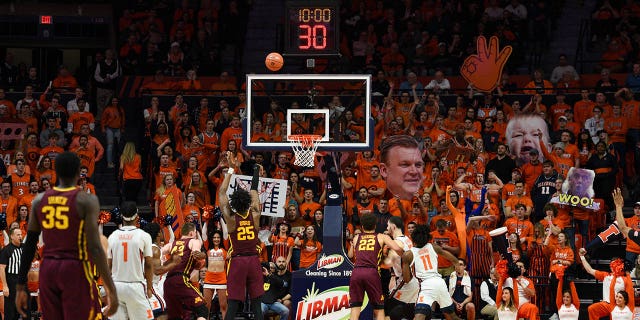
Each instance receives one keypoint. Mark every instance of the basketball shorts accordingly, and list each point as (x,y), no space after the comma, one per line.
(365,280)
(434,290)
(245,273)
(133,301)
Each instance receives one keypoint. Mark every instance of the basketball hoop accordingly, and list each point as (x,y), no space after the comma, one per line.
(304,147)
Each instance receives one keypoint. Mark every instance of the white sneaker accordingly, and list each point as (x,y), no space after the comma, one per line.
(554,317)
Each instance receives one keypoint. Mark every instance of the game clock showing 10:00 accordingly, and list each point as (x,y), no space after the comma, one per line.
(311,29)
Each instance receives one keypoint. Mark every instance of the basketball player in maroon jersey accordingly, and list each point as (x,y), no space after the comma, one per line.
(367,249)
(68,219)
(242,214)
(178,290)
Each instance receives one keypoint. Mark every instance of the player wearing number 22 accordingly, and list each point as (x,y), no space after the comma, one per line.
(130,257)
(244,272)
(68,219)
(423,258)
(367,250)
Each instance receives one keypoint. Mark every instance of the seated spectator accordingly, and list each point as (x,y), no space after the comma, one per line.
(568,84)
(191,84)
(175,60)
(538,84)
(614,57)
(488,291)
(224,86)
(412,82)
(633,79)
(439,85)
(283,273)
(64,82)
(274,287)
(460,290)
(393,62)
(606,83)
(562,68)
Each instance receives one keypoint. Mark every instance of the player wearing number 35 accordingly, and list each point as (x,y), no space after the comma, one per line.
(68,220)
(242,214)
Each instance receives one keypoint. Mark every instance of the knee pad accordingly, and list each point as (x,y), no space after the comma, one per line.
(201,311)
(425,309)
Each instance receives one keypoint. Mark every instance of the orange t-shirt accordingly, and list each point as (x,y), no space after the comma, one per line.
(449,238)
(131,170)
(309,252)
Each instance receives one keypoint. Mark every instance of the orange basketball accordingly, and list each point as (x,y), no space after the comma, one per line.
(274,61)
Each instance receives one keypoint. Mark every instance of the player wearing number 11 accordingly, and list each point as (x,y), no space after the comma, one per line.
(423,258)
(242,214)
(68,219)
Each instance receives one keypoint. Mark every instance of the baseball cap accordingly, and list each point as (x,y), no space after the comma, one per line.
(562,118)
(559,145)
(637,204)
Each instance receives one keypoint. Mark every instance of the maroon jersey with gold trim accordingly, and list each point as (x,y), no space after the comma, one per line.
(368,251)
(62,227)
(244,239)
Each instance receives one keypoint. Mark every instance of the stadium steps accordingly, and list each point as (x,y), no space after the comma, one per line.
(566,31)
(261,35)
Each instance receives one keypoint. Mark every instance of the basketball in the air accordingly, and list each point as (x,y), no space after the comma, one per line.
(274,61)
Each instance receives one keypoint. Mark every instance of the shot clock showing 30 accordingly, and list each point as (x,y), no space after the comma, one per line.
(311,28)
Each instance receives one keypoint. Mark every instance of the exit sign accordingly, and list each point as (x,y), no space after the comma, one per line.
(45,20)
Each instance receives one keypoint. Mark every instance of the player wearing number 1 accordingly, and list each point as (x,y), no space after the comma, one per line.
(130,257)
(367,250)
(68,220)
(242,214)
(423,258)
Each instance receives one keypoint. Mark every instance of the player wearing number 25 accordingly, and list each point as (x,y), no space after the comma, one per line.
(367,250)
(68,219)
(242,214)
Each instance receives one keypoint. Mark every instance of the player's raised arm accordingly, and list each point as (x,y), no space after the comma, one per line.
(255,199)
(222,195)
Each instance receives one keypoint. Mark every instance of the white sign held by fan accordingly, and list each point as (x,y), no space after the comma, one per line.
(272,193)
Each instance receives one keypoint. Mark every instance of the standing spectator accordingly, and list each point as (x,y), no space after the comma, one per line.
(33,79)
(605,166)
(562,67)
(393,62)
(112,124)
(460,290)
(310,247)
(130,162)
(106,76)
(448,241)
(502,164)
(9,268)
(543,189)
(8,72)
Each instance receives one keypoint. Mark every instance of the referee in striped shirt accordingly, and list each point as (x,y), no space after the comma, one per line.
(9,267)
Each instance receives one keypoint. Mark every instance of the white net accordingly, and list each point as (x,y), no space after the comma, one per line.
(304,148)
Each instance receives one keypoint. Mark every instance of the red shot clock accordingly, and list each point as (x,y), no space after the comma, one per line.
(311,28)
